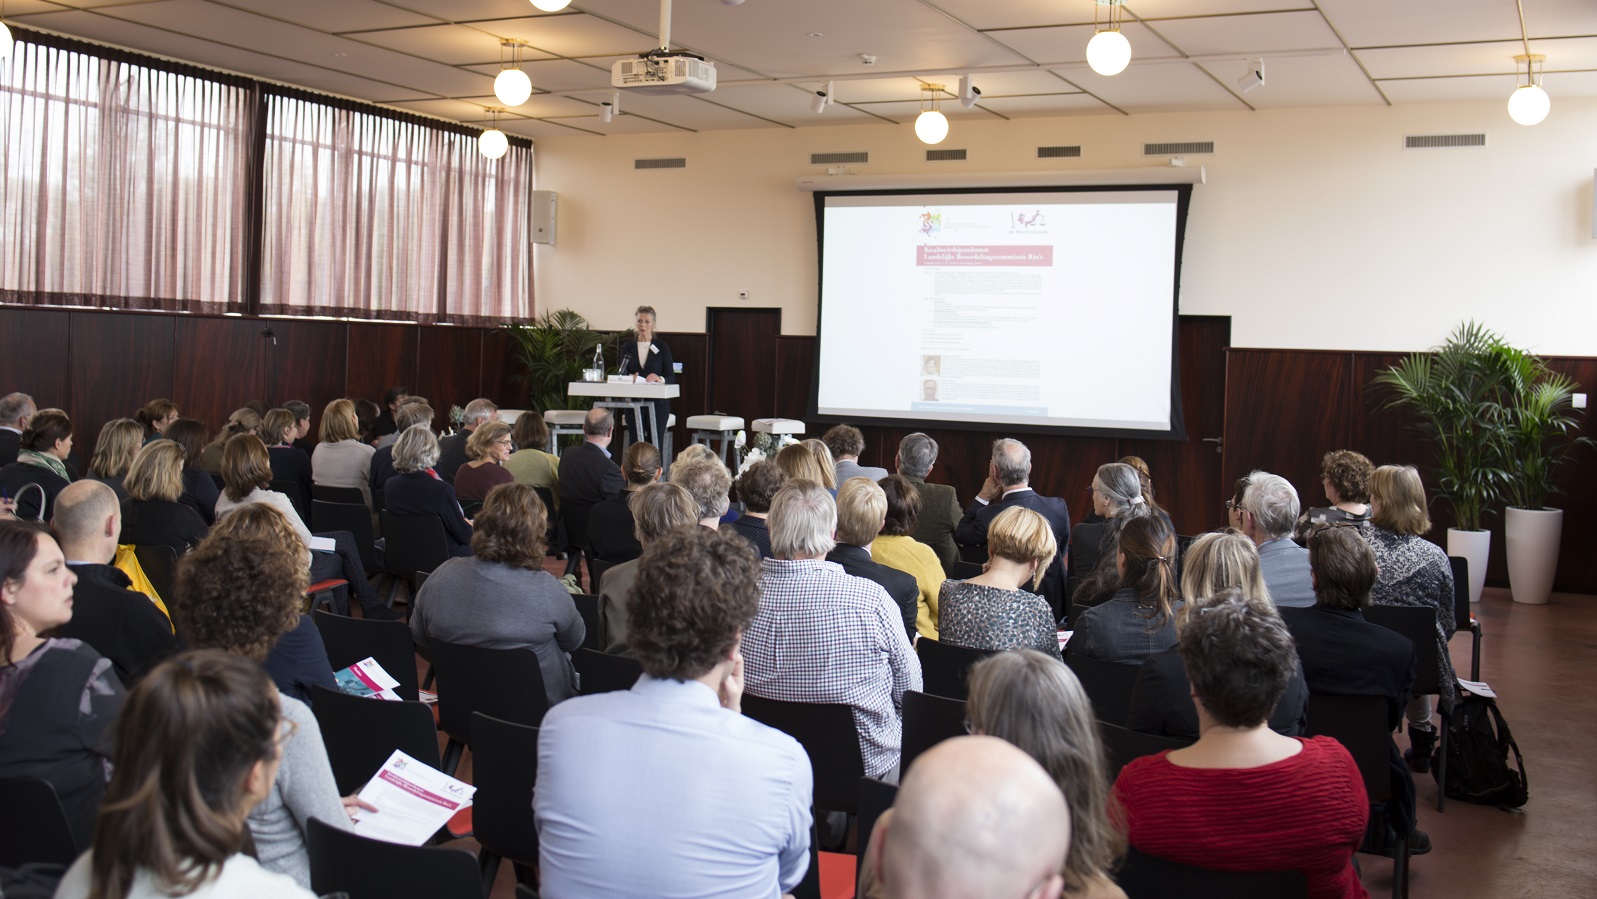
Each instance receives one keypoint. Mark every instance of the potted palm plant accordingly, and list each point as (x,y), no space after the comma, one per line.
(553,350)
(1453,393)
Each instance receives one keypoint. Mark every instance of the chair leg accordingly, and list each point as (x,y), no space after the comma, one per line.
(452,753)
(1441,762)
(1475,654)
(488,863)
(427,682)
(1400,868)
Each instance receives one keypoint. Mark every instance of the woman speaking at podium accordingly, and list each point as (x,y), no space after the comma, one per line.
(649,359)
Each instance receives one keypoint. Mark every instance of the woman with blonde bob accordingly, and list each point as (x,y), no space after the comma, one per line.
(341,459)
(1413,572)
(993,610)
(152,513)
(118,443)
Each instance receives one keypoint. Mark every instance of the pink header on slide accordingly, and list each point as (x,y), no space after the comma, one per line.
(1006,256)
(418,792)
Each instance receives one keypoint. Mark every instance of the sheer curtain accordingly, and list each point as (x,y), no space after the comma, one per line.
(121,185)
(370,216)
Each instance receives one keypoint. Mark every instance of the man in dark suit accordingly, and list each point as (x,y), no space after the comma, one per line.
(939,504)
(1009,484)
(1344,655)
(452,449)
(861,512)
(15,410)
(588,476)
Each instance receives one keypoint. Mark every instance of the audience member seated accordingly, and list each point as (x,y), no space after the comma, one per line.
(489,446)
(152,514)
(823,458)
(1116,500)
(1138,620)
(15,410)
(58,697)
(976,818)
(895,548)
(199,488)
(411,413)
(341,459)
(366,413)
(1344,655)
(121,624)
(656,510)
(1233,506)
(242,421)
(755,488)
(1413,572)
(1161,701)
(846,444)
(1345,475)
(197,750)
(156,417)
(416,490)
(1008,484)
(1268,513)
(610,523)
(452,449)
(301,411)
(710,485)
(242,595)
(588,476)
(800,464)
(861,513)
(500,597)
(289,462)
(387,424)
(715,804)
(119,442)
(246,470)
(822,636)
(939,504)
(45,445)
(1245,798)
(991,611)
(531,464)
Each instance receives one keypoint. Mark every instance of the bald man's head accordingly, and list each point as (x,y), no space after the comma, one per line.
(976,818)
(87,521)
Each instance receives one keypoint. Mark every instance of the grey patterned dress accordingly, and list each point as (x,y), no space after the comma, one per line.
(1415,572)
(983,617)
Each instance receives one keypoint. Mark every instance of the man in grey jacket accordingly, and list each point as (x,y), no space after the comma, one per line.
(939,505)
(846,443)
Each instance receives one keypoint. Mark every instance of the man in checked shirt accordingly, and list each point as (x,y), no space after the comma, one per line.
(823,636)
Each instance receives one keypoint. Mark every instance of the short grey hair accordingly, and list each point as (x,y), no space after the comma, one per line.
(917,453)
(1012,460)
(478,411)
(708,482)
(1273,501)
(16,408)
(410,414)
(416,449)
(803,520)
(1119,484)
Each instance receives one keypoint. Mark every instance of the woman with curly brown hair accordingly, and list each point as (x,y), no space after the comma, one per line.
(500,597)
(1345,475)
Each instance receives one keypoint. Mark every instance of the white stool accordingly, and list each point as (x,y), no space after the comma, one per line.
(778,426)
(709,428)
(509,416)
(666,442)
(563,421)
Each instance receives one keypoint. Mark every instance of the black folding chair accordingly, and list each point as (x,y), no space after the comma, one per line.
(1122,745)
(362,732)
(350,640)
(963,570)
(352,517)
(34,827)
(875,797)
(604,673)
(1143,876)
(364,868)
(412,543)
(159,563)
(1464,619)
(504,769)
(339,495)
(828,735)
(945,668)
(588,607)
(1419,625)
(295,496)
(1108,685)
(503,683)
(1359,724)
(928,720)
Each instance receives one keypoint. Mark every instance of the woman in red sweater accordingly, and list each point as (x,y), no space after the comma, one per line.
(1245,798)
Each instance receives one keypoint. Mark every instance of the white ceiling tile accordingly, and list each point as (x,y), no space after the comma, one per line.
(16,9)
(342,15)
(572,35)
(1379,23)
(1156,87)
(455,45)
(1476,59)
(471,108)
(1068,44)
(1046,105)
(787,103)
(568,75)
(536,128)
(470,10)
(1171,9)
(688,112)
(1441,90)
(986,14)
(1249,35)
(1301,81)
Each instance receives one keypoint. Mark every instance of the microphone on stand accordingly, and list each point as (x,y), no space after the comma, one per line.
(625,359)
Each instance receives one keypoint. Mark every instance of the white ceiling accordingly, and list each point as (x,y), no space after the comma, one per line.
(438,57)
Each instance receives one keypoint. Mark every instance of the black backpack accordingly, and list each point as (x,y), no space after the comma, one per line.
(1477,756)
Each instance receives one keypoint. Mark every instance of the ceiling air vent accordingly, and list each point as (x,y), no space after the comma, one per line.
(1058,152)
(1436,141)
(856,156)
(678,162)
(945,155)
(1187,148)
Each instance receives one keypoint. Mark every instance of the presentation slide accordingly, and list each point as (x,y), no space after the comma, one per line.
(1032,308)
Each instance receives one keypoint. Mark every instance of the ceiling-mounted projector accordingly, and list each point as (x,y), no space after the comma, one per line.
(664,72)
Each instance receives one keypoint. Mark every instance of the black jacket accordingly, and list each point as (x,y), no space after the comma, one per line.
(587,477)
(151,522)
(120,623)
(610,530)
(972,531)
(419,493)
(900,585)
(1161,701)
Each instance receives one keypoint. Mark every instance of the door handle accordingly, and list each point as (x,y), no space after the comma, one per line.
(1219,443)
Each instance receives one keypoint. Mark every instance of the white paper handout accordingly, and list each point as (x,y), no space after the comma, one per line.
(1479,688)
(323,544)
(367,678)
(413,800)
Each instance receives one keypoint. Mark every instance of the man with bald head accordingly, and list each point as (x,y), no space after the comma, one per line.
(121,624)
(975,818)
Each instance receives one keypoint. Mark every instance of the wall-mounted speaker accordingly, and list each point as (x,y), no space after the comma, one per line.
(544,204)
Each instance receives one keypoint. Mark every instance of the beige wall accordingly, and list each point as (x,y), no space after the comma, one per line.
(1316,229)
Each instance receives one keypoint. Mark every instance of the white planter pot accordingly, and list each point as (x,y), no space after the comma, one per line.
(1475,546)
(1533,538)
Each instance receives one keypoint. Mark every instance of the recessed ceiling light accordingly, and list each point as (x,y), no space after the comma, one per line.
(340,54)
(815,34)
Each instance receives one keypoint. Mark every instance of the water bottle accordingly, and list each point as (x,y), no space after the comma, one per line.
(598,360)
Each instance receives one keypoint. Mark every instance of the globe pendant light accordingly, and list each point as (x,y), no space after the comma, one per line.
(931,126)
(7,42)
(1529,104)
(512,86)
(493,143)
(551,5)
(1108,52)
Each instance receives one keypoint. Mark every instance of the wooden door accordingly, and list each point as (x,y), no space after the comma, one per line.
(742,363)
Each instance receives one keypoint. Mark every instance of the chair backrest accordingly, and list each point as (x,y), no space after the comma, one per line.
(963,570)
(1121,746)
(1418,623)
(588,607)
(364,868)
(1143,876)
(1359,724)
(352,517)
(504,769)
(875,797)
(928,720)
(361,733)
(413,543)
(828,735)
(295,496)
(1108,685)
(33,827)
(945,668)
(338,495)
(1460,591)
(503,683)
(604,673)
(596,570)
(159,563)
(350,640)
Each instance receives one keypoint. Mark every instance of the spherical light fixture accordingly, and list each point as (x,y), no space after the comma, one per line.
(931,126)
(493,143)
(551,5)
(1529,104)
(1108,53)
(7,42)
(512,87)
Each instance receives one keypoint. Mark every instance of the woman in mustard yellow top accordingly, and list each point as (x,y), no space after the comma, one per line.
(895,548)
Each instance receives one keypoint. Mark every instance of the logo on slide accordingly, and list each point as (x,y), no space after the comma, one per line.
(1020,221)
(931,223)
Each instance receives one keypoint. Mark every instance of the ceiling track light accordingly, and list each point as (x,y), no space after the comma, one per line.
(822,99)
(1108,52)
(931,126)
(1253,77)
(609,108)
(493,143)
(969,93)
(512,86)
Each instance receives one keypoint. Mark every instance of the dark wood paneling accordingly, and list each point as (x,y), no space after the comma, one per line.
(451,368)
(693,352)
(36,360)
(742,380)
(219,365)
(1283,413)
(795,375)
(307,362)
(380,357)
(120,361)
(1187,477)
(499,372)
